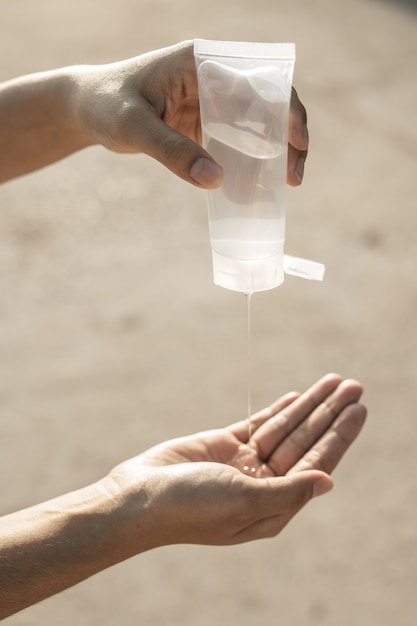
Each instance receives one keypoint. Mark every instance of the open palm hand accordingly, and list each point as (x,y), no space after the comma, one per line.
(297,432)
(223,486)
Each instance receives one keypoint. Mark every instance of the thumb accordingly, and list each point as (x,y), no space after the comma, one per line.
(292,492)
(280,498)
(181,155)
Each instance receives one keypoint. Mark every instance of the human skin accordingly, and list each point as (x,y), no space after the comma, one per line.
(148,104)
(189,490)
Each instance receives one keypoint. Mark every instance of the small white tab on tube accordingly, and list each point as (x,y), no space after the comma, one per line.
(303,268)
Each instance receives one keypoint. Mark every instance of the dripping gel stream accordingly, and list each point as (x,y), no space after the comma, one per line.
(248,298)
(245,462)
(245,458)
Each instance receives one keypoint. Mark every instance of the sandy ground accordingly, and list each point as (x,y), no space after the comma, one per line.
(113,336)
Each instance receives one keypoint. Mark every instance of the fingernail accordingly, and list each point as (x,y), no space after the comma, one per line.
(299,170)
(206,173)
(322,486)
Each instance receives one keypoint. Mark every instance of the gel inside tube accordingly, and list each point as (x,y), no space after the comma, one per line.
(245,93)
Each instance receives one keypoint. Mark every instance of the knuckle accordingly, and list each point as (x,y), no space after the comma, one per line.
(174,148)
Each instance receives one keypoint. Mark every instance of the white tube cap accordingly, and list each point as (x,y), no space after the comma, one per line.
(248,276)
(252,275)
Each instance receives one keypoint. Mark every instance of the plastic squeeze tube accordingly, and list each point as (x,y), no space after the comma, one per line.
(245,92)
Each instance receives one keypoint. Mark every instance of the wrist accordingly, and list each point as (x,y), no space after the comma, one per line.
(127,526)
(75,88)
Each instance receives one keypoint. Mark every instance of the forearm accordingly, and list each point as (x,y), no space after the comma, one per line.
(37,125)
(53,546)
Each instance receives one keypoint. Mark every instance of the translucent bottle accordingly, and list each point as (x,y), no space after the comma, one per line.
(245,92)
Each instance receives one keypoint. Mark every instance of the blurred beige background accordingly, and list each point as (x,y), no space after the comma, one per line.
(113,336)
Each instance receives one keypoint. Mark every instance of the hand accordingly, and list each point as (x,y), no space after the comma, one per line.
(222,487)
(150,104)
(219,487)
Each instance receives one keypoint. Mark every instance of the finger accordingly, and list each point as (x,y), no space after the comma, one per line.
(298,139)
(242,429)
(289,493)
(277,428)
(297,130)
(181,155)
(330,448)
(296,161)
(308,432)
(276,500)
